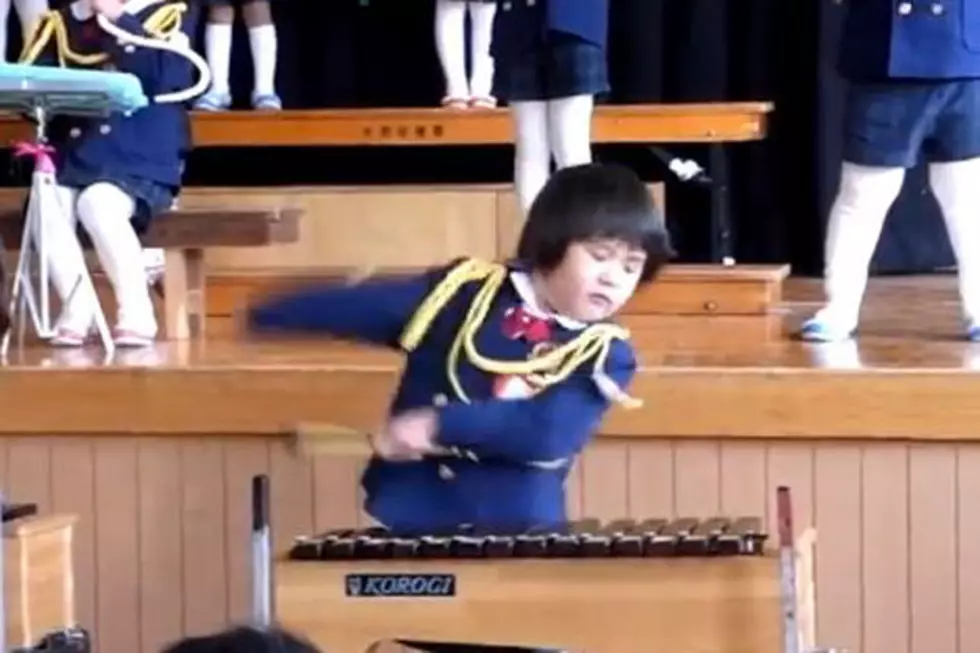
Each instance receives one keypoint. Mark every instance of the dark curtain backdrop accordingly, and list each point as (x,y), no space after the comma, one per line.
(363,53)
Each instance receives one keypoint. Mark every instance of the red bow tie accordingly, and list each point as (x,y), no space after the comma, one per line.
(519,323)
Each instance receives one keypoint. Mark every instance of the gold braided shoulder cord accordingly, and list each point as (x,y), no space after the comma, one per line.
(162,24)
(548,369)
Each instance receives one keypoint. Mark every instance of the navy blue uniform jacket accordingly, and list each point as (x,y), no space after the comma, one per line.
(910,39)
(507,485)
(151,143)
(521,26)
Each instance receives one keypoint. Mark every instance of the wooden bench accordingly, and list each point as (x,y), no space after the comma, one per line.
(184,235)
(638,123)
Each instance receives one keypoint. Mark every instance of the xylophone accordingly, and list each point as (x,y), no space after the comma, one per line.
(688,585)
(587,538)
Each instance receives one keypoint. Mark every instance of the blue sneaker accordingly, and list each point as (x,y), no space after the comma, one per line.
(213,102)
(266,102)
(818,329)
(973,331)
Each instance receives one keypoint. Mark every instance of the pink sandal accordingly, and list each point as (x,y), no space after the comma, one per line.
(131,339)
(484,102)
(455,103)
(68,338)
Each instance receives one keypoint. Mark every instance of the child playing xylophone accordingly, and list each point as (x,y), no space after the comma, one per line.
(117,173)
(510,368)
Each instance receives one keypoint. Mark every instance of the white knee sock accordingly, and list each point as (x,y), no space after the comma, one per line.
(451,46)
(217,48)
(105,211)
(532,155)
(66,263)
(265,47)
(858,214)
(570,130)
(956,187)
(481,75)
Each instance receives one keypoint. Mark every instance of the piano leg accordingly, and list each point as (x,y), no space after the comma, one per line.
(721,228)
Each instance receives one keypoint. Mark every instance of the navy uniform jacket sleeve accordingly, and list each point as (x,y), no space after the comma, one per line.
(160,71)
(554,425)
(375,310)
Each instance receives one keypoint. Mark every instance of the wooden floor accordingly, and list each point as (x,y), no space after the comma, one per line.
(879,440)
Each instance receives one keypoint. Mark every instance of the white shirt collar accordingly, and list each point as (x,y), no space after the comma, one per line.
(522,285)
(81,9)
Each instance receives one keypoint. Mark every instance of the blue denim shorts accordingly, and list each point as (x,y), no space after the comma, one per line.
(894,124)
(563,66)
(151,198)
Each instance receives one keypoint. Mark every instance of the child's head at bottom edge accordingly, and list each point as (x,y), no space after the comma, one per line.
(244,639)
(592,236)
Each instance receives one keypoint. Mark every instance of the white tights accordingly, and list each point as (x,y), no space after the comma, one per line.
(28,11)
(105,212)
(858,215)
(450,29)
(560,128)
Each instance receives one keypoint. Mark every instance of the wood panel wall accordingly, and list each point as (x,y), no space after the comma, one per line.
(394,226)
(162,548)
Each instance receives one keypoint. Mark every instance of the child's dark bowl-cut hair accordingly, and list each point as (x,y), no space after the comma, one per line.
(591,202)
(244,639)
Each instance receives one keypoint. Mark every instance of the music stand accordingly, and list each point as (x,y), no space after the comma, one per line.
(42,94)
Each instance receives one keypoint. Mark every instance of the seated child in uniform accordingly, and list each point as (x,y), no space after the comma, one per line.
(510,368)
(114,174)
(243,640)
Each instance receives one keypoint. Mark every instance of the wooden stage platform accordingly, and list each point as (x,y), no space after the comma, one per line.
(909,366)
(878,440)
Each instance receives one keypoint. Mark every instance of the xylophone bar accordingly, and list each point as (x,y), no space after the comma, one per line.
(587,538)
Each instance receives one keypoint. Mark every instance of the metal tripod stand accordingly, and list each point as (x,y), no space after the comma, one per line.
(45,211)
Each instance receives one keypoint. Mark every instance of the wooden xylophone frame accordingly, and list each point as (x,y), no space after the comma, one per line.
(678,538)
